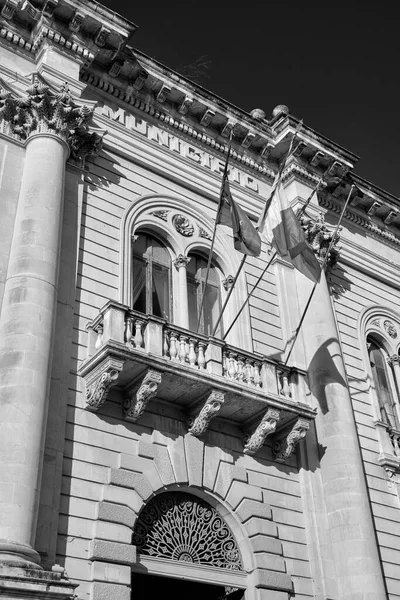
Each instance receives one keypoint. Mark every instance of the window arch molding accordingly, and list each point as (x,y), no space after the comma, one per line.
(155,213)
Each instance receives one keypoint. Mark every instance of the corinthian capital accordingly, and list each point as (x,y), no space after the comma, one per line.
(44,110)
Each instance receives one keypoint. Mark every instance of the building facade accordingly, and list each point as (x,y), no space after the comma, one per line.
(147,448)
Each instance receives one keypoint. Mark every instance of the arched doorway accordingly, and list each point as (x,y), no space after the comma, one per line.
(185,550)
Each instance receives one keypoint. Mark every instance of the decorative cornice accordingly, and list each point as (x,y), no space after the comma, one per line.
(45,110)
(374,229)
(198,425)
(175,124)
(294,169)
(137,398)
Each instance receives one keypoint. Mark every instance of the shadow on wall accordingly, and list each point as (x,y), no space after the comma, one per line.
(102,172)
(338,282)
(322,372)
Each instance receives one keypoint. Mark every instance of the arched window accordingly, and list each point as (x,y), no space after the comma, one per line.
(151,277)
(383,383)
(196,277)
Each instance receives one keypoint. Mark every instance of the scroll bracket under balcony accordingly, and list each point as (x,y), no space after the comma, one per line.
(138,396)
(100,380)
(254,442)
(198,425)
(288,437)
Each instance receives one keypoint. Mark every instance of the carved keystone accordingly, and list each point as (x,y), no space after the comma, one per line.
(100,380)
(287,439)
(198,425)
(137,398)
(267,425)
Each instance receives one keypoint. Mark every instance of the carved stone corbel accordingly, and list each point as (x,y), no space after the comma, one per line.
(9,8)
(100,380)
(288,438)
(266,150)
(253,442)
(198,425)
(373,208)
(163,93)
(137,398)
(77,21)
(206,118)
(316,159)
(248,140)
(185,105)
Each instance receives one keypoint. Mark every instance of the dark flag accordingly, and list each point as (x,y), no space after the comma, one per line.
(246,237)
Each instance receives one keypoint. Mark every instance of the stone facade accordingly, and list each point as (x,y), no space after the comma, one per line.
(267,471)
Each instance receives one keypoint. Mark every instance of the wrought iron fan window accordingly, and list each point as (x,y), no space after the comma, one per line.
(151,277)
(183,527)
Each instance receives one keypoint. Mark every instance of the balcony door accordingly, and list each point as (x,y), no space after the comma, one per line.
(196,278)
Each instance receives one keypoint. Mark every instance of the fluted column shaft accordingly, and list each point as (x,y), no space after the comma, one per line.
(26,341)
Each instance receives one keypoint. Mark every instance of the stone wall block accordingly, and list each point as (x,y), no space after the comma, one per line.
(133,481)
(102,571)
(194,452)
(226,475)
(250,508)
(115,513)
(263,543)
(273,580)
(115,552)
(240,490)
(124,496)
(109,591)
(146,466)
(258,526)
(272,562)
(262,594)
(161,458)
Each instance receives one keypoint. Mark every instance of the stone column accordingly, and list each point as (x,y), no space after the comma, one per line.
(183,317)
(353,543)
(51,125)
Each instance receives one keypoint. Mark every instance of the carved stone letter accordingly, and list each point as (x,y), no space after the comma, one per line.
(288,438)
(198,425)
(99,382)
(254,442)
(136,399)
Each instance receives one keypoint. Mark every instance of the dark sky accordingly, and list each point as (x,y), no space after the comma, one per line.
(335,64)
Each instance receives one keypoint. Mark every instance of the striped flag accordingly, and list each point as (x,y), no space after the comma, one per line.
(246,237)
(281,228)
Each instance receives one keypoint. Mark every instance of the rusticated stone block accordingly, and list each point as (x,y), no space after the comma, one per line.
(252,508)
(226,475)
(274,580)
(257,526)
(116,513)
(263,543)
(123,554)
(194,450)
(109,591)
(161,457)
(132,481)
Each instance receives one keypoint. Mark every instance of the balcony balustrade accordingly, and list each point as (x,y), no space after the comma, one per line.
(146,357)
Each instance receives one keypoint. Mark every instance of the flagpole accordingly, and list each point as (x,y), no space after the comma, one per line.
(203,291)
(260,220)
(301,211)
(322,269)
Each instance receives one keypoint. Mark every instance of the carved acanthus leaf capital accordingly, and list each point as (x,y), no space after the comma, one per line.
(99,382)
(137,398)
(393,360)
(267,425)
(44,110)
(287,439)
(198,425)
(181,261)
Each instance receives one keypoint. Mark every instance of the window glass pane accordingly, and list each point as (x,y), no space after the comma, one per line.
(382,384)
(211,310)
(160,253)
(139,285)
(160,291)
(139,246)
(192,304)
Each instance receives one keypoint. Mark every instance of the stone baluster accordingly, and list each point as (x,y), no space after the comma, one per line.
(249,372)
(285,385)
(138,339)
(182,348)
(224,364)
(173,346)
(99,339)
(257,374)
(192,353)
(232,365)
(201,359)
(394,437)
(240,374)
(128,330)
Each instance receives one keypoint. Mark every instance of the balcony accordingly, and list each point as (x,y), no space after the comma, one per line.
(145,357)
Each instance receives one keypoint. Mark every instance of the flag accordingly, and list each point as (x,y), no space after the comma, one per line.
(246,237)
(281,228)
